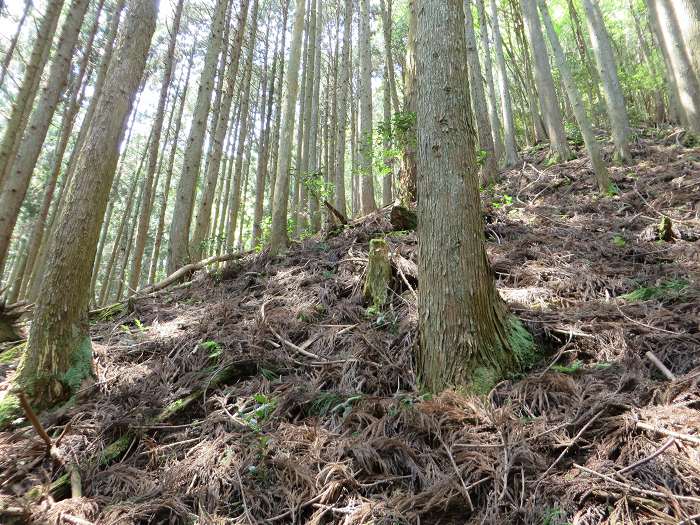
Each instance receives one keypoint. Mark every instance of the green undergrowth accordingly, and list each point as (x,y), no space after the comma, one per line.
(673,289)
(12,354)
(9,409)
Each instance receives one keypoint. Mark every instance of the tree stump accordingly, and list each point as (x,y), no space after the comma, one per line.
(378,277)
(403,219)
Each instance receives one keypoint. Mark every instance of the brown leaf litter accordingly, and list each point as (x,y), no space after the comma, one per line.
(330,427)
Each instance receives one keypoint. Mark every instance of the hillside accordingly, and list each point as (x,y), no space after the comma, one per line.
(266,391)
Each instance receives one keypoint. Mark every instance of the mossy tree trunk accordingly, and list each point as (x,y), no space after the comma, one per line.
(59,355)
(467,337)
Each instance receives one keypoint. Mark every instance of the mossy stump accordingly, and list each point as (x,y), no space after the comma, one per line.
(378,280)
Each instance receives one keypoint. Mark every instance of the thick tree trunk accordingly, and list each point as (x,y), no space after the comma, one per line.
(599,168)
(466,335)
(19,169)
(612,90)
(278,238)
(545,84)
(178,249)
(58,355)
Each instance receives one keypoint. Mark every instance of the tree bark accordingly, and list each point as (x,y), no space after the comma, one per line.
(278,238)
(19,169)
(511,149)
(366,139)
(408,191)
(178,249)
(7,60)
(343,90)
(559,149)
(612,89)
(465,332)
(599,168)
(489,168)
(58,355)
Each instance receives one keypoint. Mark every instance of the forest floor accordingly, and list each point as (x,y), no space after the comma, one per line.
(267,392)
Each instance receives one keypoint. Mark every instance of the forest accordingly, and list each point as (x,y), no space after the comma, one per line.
(350,262)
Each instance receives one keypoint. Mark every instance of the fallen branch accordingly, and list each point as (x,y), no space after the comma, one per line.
(662,368)
(642,461)
(187,269)
(632,488)
(670,433)
(284,341)
(343,220)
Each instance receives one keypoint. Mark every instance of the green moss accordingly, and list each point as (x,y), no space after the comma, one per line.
(672,289)
(522,345)
(376,288)
(483,380)
(13,354)
(80,366)
(9,409)
(116,449)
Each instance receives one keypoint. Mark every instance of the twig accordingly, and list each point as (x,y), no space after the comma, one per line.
(662,368)
(644,324)
(646,492)
(75,520)
(459,474)
(285,341)
(571,443)
(656,453)
(671,433)
(689,520)
(245,505)
(31,416)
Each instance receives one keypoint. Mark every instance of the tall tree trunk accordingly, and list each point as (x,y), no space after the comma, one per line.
(278,238)
(366,145)
(490,89)
(599,168)
(302,173)
(178,249)
(559,149)
(408,191)
(58,355)
(313,167)
(466,334)
(7,60)
(688,15)
(386,10)
(274,152)
(244,124)
(511,149)
(146,203)
(203,219)
(344,89)
(489,168)
(264,155)
(19,170)
(664,20)
(155,255)
(70,112)
(23,102)
(612,89)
